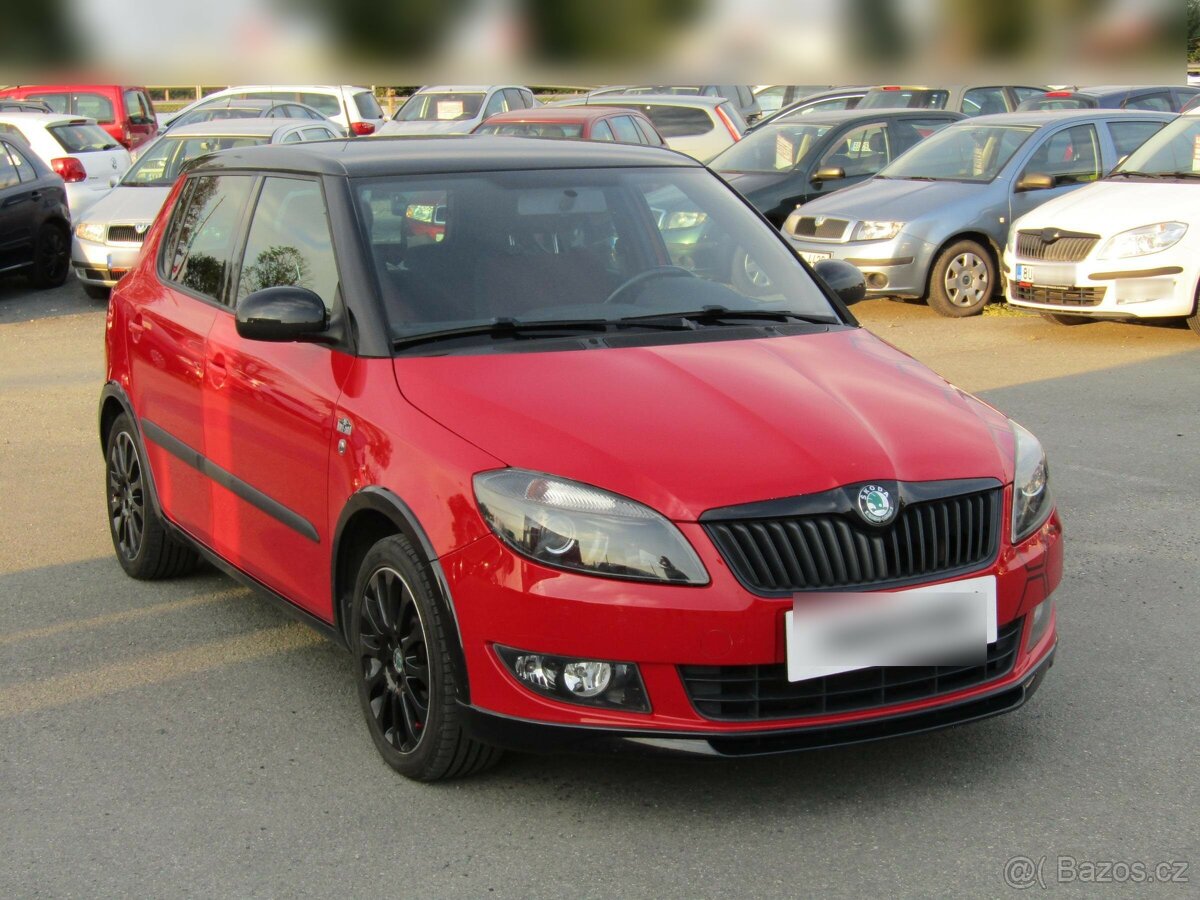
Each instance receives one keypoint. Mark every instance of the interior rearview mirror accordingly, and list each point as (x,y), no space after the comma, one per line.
(283,313)
(829,173)
(843,279)
(1035,181)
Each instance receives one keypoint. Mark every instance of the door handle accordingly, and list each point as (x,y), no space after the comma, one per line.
(216,370)
(36,195)
(136,327)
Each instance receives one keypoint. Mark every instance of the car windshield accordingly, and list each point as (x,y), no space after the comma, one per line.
(535,129)
(602,245)
(160,165)
(437,106)
(964,152)
(1173,151)
(779,148)
(82,138)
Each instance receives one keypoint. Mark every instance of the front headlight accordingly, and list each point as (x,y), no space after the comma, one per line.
(1143,241)
(684,219)
(876,231)
(570,525)
(91,231)
(1031,485)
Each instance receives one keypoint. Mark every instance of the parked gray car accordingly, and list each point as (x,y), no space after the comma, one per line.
(933,224)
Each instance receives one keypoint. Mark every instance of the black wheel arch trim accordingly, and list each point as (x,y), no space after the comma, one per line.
(112,392)
(390,505)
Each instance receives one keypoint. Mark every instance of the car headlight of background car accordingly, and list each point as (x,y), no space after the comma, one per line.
(576,526)
(876,231)
(1143,241)
(91,231)
(1031,485)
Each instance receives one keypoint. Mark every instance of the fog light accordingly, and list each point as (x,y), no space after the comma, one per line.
(1039,622)
(589,682)
(877,280)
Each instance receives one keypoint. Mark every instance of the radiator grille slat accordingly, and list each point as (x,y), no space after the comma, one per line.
(1069,247)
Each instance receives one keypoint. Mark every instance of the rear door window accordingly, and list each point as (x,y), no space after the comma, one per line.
(94,106)
(514,99)
(8,172)
(316,133)
(137,108)
(198,251)
(648,133)
(25,169)
(59,102)
(1160,102)
(289,241)
(625,130)
(326,104)
(495,105)
(1070,156)
(862,151)
(906,133)
(1128,136)
(601,131)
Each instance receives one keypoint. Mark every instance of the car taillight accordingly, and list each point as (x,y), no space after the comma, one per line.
(890,87)
(362,128)
(1058,93)
(733,132)
(69,168)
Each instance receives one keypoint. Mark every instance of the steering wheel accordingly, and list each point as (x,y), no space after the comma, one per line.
(644,276)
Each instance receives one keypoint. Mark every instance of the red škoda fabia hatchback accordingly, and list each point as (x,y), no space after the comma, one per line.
(598,463)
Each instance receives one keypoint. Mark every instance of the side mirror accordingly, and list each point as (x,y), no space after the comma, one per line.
(843,279)
(282,313)
(1035,181)
(828,173)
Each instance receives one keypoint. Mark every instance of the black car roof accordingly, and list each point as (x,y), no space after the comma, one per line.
(444,154)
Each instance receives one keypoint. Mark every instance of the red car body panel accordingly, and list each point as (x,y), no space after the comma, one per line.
(130,133)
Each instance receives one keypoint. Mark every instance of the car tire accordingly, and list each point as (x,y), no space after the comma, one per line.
(962,280)
(406,682)
(51,256)
(1068,319)
(96,291)
(144,547)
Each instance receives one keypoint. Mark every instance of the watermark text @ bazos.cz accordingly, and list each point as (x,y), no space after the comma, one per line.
(1022,872)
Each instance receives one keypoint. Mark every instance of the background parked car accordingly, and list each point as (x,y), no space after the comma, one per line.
(822,101)
(355,109)
(932,224)
(970,100)
(793,161)
(253,109)
(83,154)
(774,97)
(1159,98)
(109,237)
(587,123)
(701,127)
(456,109)
(741,96)
(7,106)
(34,229)
(125,112)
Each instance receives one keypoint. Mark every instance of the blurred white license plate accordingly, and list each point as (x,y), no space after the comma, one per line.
(933,625)
(1049,274)
(811,257)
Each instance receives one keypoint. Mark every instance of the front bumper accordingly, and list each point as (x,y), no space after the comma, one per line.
(102,265)
(895,268)
(1156,286)
(500,598)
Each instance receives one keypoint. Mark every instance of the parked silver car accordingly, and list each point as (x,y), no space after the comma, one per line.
(933,224)
(457,108)
(701,127)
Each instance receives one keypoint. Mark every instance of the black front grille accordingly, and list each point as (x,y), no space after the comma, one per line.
(827,229)
(125,234)
(1059,296)
(823,551)
(745,693)
(1066,247)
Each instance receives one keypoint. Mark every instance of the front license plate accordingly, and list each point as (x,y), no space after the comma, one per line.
(812,257)
(1024,273)
(942,624)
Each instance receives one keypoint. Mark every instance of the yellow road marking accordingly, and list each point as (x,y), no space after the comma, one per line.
(124,615)
(91,684)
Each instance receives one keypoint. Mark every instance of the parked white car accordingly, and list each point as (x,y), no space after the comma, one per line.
(701,127)
(457,108)
(89,160)
(353,108)
(109,237)
(1126,247)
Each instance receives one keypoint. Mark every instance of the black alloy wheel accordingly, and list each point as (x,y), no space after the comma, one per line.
(52,256)
(126,496)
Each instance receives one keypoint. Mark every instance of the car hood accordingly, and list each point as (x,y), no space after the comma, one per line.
(128,205)
(1111,206)
(900,200)
(689,427)
(455,127)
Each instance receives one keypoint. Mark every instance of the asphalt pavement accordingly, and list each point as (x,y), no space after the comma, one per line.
(186,738)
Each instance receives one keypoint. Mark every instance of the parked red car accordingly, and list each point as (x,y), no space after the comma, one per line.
(551,487)
(587,123)
(125,112)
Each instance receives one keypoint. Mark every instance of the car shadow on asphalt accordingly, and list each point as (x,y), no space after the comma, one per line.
(21,302)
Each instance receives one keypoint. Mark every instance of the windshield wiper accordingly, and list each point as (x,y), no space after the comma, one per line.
(1181,174)
(914,177)
(501,327)
(1131,173)
(717,315)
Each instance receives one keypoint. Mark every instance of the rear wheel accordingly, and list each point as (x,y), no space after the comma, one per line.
(406,683)
(144,547)
(962,280)
(51,256)
(1067,319)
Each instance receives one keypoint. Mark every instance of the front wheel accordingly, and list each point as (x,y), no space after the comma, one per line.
(406,683)
(962,280)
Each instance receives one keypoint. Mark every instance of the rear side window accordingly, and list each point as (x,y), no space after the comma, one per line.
(94,106)
(601,131)
(1128,136)
(326,104)
(58,102)
(8,172)
(1024,93)
(648,133)
(1160,102)
(289,242)
(81,138)
(625,130)
(678,121)
(198,250)
(317,133)
(514,98)
(984,101)
(367,105)
(25,169)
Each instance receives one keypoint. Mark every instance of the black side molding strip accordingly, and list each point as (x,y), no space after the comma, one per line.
(896,261)
(231,482)
(1142,273)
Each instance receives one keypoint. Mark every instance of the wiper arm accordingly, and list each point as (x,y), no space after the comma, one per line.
(1182,175)
(914,177)
(717,315)
(500,327)
(1131,173)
